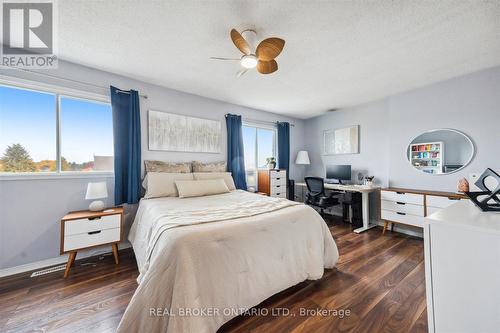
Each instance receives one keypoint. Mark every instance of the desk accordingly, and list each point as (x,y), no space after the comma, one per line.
(365,192)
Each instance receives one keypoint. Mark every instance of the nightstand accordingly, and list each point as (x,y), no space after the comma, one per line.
(86,229)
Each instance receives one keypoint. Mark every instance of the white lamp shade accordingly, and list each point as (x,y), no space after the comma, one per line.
(96,191)
(302,158)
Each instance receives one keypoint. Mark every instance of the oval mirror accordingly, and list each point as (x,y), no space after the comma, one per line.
(440,151)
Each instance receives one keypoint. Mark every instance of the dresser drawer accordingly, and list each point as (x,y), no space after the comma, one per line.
(81,226)
(279,195)
(401,217)
(278,191)
(432,210)
(96,237)
(440,202)
(278,181)
(416,199)
(403,207)
(277,173)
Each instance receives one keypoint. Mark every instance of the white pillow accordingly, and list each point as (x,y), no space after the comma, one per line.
(217,175)
(162,184)
(198,188)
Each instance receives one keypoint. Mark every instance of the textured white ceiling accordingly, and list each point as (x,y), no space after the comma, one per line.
(337,53)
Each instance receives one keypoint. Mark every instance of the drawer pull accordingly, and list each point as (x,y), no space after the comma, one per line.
(94,218)
(278,193)
(400,203)
(400,192)
(94,232)
(277,178)
(400,213)
(277,185)
(449,198)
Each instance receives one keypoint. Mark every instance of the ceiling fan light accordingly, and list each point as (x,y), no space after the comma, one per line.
(249,61)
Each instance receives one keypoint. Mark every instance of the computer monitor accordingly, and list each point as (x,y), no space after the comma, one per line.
(338,172)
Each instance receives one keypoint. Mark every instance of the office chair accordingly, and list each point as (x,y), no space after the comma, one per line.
(316,196)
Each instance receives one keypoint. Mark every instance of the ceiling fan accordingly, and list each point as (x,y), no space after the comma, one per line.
(262,58)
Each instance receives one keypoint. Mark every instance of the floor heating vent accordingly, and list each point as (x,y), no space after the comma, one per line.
(49,270)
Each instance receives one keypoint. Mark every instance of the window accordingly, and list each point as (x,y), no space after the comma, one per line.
(27,131)
(259,143)
(86,135)
(29,139)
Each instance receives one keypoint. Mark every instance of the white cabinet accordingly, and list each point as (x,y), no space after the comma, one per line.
(402,207)
(462,269)
(408,206)
(273,182)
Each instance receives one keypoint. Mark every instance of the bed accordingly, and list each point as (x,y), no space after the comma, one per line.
(205,260)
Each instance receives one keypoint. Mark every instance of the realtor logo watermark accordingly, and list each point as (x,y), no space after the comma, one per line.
(28,34)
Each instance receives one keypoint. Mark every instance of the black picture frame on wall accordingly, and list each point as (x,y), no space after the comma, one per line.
(487,200)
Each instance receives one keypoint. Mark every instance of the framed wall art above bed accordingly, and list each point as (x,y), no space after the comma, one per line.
(173,132)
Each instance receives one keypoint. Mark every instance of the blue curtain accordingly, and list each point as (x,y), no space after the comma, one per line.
(283,145)
(235,156)
(127,144)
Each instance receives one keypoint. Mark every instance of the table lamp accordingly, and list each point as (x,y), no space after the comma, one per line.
(96,191)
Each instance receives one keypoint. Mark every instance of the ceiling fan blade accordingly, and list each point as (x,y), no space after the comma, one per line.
(269,48)
(267,67)
(221,58)
(240,42)
(241,72)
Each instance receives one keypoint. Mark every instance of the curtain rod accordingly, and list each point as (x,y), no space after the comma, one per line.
(74,81)
(264,122)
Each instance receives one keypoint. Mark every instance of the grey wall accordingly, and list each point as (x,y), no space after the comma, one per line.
(470,104)
(30,209)
(373,158)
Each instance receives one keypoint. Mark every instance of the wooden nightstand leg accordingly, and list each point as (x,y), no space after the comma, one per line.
(386,224)
(392,226)
(71,261)
(115,252)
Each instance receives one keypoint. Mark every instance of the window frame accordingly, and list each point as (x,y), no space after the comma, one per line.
(58,92)
(264,126)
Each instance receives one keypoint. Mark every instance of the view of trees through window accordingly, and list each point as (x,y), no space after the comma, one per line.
(258,144)
(28,133)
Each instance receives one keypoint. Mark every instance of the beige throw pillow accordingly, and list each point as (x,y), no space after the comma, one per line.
(162,184)
(217,175)
(209,167)
(199,188)
(171,167)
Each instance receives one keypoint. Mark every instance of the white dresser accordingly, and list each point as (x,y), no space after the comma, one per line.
(462,269)
(273,182)
(408,206)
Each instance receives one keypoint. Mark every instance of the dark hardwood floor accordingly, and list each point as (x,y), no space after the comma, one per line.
(379,279)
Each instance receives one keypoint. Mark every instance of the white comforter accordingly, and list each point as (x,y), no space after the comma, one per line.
(204,260)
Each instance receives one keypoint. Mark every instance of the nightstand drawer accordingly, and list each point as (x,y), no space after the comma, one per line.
(81,226)
(91,238)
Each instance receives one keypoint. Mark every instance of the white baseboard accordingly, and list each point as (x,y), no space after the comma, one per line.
(57,261)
